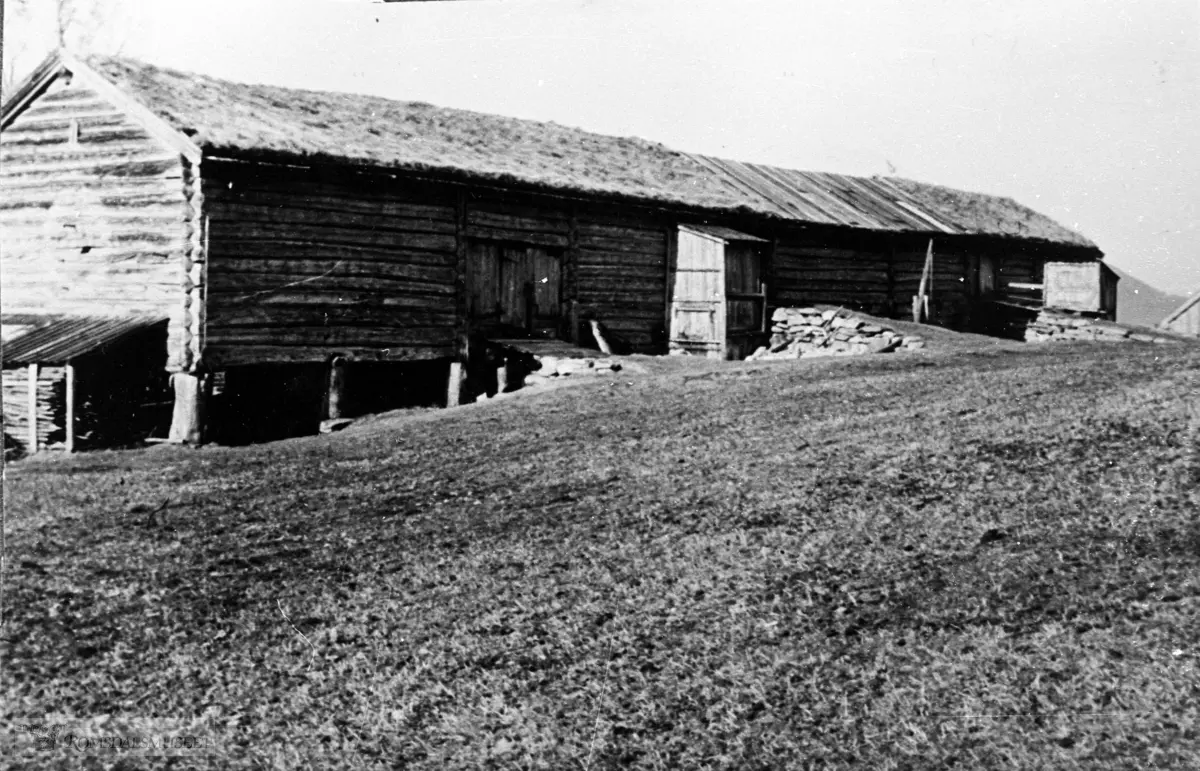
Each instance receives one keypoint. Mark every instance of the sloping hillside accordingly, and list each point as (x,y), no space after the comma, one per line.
(982,559)
(1140,304)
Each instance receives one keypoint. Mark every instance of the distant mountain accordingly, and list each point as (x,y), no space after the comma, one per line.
(1141,304)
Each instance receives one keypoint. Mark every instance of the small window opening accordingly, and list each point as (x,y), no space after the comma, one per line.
(73,132)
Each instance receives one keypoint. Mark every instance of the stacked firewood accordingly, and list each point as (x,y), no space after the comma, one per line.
(811,332)
(1054,326)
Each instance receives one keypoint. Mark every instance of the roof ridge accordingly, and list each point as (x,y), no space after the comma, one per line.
(268,122)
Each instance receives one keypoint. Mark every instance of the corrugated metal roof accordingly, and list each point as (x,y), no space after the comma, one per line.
(65,338)
(723,233)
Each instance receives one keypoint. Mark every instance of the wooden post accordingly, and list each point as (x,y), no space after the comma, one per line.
(32,443)
(571,275)
(892,300)
(462,341)
(187,421)
(921,301)
(531,309)
(335,402)
(70,440)
(669,293)
(502,377)
(454,386)
(573,321)
(605,348)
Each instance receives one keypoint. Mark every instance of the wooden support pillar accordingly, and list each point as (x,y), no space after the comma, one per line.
(462,353)
(335,399)
(605,348)
(573,335)
(669,293)
(570,276)
(769,283)
(70,427)
(187,421)
(920,303)
(502,377)
(454,385)
(892,300)
(32,444)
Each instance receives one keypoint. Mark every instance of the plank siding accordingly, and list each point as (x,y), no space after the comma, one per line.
(92,211)
(302,266)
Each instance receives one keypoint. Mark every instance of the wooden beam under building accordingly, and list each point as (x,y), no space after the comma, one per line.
(335,399)
(187,420)
(454,385)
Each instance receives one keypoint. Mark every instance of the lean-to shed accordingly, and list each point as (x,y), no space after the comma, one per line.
(312,250)
(78,382)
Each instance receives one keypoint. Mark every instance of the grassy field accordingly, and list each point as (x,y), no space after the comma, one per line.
(969,559)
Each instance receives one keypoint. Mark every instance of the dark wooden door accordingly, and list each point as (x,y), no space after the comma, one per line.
(514,287)
(743,288)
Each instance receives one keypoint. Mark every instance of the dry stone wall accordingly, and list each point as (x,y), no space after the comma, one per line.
(812,332)
(1063,326)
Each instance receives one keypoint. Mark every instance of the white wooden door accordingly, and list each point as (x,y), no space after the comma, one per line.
(698,296)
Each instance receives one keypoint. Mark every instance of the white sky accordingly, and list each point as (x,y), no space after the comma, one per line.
(1087,110)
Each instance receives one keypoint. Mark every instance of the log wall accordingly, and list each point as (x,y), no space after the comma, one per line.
(880,274)
(302,266)
(846,269)
(92,211)
(613,260)
(621,274)
(950,290)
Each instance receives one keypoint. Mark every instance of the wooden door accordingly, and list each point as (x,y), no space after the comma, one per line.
(698,299)
(743,289)
(483,284)
(987,276)
(517,288)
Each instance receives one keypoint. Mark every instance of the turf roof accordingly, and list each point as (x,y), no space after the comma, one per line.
(269,122)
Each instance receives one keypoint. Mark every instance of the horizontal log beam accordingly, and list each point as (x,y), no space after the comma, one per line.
(224,212)
(150,165)
(289,249)
(248,231)
(312,315)
(324,200)
(48,189)
(217,298)
(218,357)
(285,268)
(257,283)
(520,236)
(13,156)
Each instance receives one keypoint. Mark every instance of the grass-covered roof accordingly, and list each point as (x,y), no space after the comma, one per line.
(274,123)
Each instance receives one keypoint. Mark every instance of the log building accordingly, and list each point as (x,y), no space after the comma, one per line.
(312,254)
